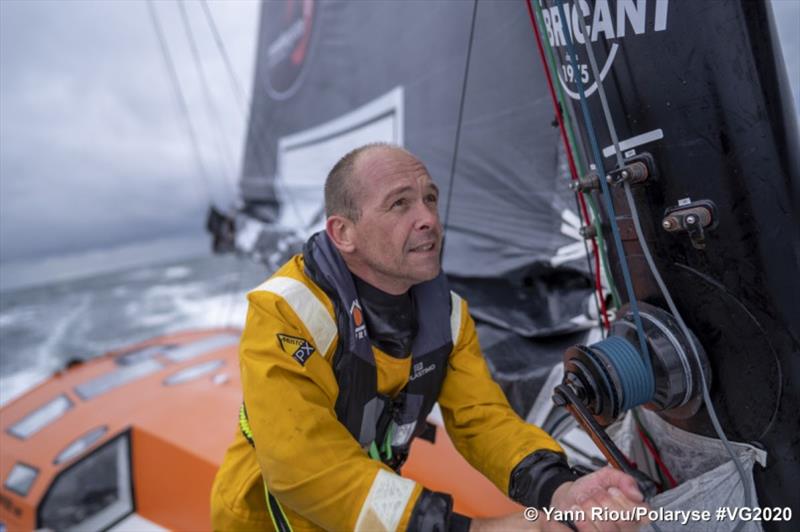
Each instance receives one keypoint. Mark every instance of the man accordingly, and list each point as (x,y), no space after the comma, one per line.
(346,349)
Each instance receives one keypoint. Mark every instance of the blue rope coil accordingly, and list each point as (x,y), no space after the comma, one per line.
(636,378)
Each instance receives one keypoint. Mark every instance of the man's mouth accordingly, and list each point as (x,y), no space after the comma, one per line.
(427,246)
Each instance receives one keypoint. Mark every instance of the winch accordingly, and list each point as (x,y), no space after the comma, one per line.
(606,379)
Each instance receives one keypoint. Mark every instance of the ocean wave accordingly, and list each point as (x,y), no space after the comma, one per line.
(16,384)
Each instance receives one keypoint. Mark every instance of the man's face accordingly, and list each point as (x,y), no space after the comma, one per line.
(398,237)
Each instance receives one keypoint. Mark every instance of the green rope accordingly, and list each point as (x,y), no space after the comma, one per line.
(573,145)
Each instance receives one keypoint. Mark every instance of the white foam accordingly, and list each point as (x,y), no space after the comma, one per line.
(16,384)
(59,331)
(177,272)
(223,310)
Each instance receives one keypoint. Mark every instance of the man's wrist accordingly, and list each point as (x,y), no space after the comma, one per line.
(537,477)
(560,494)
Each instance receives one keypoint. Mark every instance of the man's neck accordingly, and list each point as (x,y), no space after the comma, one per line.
(365,273)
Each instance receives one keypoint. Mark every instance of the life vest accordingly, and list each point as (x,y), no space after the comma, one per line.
(383,425)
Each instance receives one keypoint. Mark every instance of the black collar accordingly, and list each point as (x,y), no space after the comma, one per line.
(391,319)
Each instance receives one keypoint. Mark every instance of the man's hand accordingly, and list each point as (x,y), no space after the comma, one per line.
(606,488)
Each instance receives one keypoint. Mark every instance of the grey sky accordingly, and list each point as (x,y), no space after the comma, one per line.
(93,150)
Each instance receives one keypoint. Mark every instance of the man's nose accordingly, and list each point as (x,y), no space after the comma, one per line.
(427,216)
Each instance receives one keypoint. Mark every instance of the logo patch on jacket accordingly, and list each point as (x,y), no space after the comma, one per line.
(300,349)
(420,370)
(358,319)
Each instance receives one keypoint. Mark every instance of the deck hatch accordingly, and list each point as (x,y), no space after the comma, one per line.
(138,356)
(119,377)
(21,478)
(40,418)
(193,372)
(201,347)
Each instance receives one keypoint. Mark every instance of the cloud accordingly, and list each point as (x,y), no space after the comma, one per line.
(93,149)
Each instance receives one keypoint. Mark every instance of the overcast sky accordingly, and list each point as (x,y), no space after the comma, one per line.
(93,149)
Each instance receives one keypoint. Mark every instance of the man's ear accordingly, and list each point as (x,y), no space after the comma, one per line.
(341,231)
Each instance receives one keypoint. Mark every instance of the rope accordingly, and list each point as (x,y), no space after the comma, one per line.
(574,173)
(260,148)
(237,87)
(459,120)
(211,107)
(597,156)
(578,148)
(182,106)
(637,383)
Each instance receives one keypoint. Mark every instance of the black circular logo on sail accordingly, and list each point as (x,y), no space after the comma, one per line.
(287,33)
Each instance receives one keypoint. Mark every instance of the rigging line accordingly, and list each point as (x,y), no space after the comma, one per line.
(599,299)
(182,106)
(578,148)
(459,120)
(241,106)
(260,149)
(664,290)
(211,107)
(597,156)
(653,449)
(237,88)
(602,313)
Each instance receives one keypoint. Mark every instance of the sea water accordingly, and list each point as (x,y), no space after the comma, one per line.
(44,327)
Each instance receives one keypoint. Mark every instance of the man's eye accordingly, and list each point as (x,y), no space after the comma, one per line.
(432,198)
(399,203)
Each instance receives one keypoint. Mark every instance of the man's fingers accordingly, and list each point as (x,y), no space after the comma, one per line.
(632,522)
(607,520)
(630,488)
(613,512)
(627,484)
(623,502)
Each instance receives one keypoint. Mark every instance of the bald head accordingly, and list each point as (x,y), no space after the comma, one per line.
(342,186)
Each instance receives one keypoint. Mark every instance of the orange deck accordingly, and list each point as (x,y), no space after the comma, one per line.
(179,434)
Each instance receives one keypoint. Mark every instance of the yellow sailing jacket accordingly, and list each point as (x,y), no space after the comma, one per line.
(308,459)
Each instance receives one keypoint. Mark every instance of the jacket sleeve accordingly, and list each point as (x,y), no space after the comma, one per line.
(482,425)
(309,461)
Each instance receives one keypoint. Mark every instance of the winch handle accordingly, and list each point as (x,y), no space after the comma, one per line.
(564,396)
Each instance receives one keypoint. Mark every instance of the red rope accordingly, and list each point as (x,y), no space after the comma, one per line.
(657,457)
(573,170)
